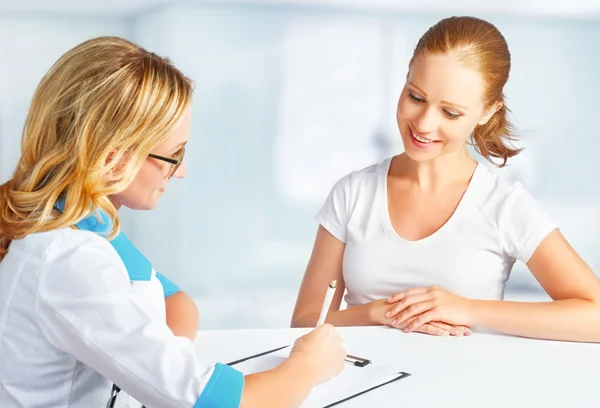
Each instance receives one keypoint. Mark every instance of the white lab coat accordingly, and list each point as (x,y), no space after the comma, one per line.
(72,323)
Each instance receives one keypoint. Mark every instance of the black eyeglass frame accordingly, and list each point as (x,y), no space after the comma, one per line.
(176,163)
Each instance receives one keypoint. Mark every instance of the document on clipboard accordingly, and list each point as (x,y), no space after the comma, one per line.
(358,377)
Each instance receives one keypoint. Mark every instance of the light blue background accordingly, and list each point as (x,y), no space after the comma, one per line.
(290,98)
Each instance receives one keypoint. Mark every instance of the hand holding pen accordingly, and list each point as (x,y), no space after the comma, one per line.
(357,361)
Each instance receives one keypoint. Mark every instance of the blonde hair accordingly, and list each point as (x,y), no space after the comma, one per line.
(480,45)
(104,103)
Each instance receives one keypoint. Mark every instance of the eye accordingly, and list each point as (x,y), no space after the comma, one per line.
(415,98)
(451,115)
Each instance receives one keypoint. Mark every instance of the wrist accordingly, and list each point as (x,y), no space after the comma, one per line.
(474,307)
(369,315)
(301,367)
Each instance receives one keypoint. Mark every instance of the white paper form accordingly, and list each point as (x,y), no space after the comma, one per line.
(350,381)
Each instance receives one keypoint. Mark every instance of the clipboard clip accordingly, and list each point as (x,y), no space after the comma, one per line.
(357,361)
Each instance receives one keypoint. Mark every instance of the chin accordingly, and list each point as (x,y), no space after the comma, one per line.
(420,156)
(149,206)
(141,206)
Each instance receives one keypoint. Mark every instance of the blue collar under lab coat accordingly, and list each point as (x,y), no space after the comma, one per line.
(138,266)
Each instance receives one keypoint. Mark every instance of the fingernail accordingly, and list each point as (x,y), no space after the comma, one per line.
(387,314)
(406,330)
(394,322)
(446,333)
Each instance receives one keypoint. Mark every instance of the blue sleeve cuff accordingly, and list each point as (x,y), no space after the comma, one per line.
(223,390)
(169,288)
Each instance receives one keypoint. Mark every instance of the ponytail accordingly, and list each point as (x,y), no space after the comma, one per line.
(492,140)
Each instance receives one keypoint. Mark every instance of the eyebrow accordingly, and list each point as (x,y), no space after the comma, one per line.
(444,102)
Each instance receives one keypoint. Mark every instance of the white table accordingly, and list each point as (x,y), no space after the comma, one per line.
(484,370)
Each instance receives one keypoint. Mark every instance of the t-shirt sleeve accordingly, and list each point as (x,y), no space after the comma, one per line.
(333,215)
(523,224)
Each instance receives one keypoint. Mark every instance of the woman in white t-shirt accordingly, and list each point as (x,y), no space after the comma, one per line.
(82,312)
(426,240)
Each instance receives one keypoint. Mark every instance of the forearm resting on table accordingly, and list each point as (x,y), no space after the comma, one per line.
(182,315)
(352,316)
(567,320)
(285,386)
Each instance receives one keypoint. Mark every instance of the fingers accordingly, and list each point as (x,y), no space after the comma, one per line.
(438,328)
(453,330)
(432,330)
(412,311)
(408,292)
(420,320)
(406,303)
(323,331)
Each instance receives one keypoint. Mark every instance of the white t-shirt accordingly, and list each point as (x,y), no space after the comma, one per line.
(472,254)
(72,324)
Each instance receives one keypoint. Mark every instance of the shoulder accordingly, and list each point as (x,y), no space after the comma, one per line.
(357,182)
(521,222)
(48,247)
(496,194)
(510,207)
(73,262)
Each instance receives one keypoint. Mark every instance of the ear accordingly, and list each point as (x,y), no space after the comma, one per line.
(112,156)
(490,112)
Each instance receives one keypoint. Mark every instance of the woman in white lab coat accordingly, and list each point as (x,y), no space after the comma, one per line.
(81,308)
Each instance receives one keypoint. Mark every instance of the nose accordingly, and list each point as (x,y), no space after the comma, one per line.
(181,170)
(426,121)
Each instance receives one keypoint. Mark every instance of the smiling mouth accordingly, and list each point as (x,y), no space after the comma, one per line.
(421,138)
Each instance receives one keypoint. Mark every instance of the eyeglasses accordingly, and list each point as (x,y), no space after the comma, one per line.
(175,161)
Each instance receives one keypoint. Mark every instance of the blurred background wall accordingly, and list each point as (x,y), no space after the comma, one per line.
(293,94)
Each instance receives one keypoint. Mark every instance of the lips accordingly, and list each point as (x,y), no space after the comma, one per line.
(421,138)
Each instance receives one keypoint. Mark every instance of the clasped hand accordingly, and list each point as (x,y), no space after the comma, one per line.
(429,310)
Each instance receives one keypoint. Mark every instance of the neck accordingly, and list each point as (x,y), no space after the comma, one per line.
(435,174)
(115,202)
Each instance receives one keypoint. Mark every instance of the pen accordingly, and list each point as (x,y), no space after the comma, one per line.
(327,302)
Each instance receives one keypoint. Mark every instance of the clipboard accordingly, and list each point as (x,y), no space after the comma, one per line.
(357,363)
